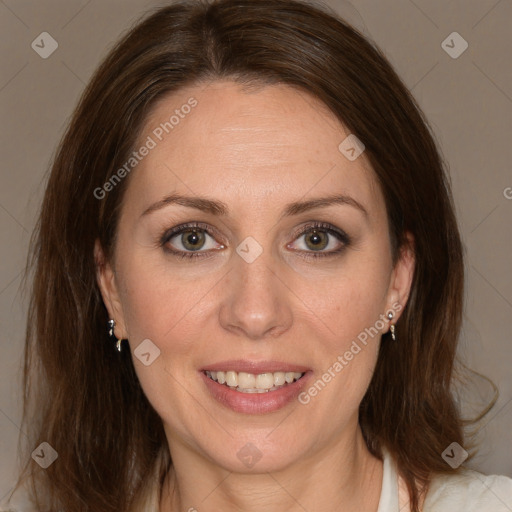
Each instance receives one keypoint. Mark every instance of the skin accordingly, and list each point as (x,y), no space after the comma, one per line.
(255,151)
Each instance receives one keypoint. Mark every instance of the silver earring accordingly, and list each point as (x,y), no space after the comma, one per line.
(392,326)
(111,326)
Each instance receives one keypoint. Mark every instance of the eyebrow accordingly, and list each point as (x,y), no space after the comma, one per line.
(219,208)
(199,203)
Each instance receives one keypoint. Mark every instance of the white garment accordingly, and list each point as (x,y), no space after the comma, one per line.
(468,491)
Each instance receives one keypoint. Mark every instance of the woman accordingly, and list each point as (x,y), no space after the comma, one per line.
(248,280)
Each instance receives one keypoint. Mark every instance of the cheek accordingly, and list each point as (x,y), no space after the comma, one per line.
(156,296)
(352,300)
(162,310)
(349,314)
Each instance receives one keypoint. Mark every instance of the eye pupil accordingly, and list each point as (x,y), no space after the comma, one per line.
(191,239)
(316,240)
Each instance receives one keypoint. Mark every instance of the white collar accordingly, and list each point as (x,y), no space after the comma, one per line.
(389,494)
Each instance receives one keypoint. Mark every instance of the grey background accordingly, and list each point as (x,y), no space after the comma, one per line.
(468,101)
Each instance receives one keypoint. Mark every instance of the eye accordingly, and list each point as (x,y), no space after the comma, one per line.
(190,240)
(321,238)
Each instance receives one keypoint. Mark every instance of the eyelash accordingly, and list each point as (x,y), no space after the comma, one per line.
(320,226)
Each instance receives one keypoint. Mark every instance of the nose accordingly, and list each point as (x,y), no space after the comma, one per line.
(257,302)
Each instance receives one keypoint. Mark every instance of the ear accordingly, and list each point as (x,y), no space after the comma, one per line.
(106,278)
(401,277)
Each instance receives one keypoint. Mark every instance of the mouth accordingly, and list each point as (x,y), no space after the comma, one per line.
(244,382)
(255,387)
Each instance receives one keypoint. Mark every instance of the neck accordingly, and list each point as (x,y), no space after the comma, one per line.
(343,477)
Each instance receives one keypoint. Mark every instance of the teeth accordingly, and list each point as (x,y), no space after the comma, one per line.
(279,378)
(232,379)
(264,381)
(250,383)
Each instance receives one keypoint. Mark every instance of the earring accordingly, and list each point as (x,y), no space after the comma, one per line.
(111,326)
(392,326)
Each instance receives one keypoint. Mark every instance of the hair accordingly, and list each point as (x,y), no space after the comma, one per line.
(84,398)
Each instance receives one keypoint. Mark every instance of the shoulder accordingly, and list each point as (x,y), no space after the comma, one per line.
(469,491)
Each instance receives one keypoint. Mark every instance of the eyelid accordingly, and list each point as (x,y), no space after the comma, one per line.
(322,226)
(188,226)
(189,255)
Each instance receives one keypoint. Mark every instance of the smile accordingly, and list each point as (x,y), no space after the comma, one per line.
(244,382)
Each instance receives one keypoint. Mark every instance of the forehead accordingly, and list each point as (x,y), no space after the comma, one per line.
(258,146)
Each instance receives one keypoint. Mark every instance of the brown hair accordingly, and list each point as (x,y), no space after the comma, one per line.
(81,396)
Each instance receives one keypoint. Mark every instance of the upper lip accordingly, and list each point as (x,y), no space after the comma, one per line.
(254,367)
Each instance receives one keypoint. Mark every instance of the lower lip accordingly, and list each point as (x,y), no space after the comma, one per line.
(255,403)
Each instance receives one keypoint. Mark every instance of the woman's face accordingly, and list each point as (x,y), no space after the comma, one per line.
(254,289)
